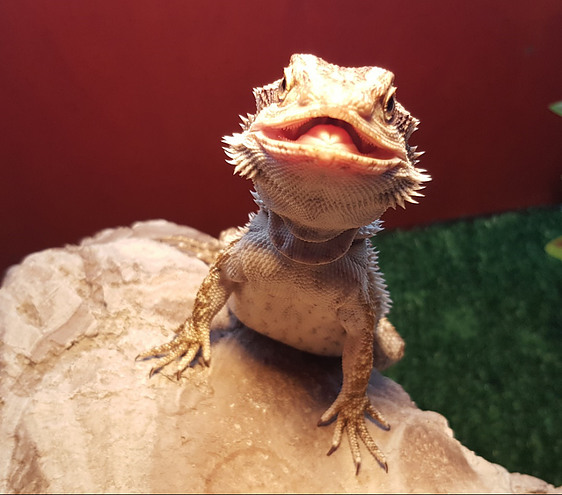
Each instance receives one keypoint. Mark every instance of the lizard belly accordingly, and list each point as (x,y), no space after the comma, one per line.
(290,317)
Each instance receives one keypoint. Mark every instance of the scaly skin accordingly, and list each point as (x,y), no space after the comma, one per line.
(328,153)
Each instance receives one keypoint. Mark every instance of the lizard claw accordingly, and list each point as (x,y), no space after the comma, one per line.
(351,417)
(185,346)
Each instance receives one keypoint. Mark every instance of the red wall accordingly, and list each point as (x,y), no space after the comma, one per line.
(112,111)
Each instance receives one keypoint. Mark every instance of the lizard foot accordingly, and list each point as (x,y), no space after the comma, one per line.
(185,345)
(350,413)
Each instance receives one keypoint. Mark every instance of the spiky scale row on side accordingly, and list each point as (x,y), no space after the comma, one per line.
(328,153)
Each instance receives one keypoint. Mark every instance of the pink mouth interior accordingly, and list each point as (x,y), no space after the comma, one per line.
(332,133)
(329,135)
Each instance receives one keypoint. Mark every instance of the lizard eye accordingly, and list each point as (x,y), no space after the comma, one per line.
(390,105)
(285,82)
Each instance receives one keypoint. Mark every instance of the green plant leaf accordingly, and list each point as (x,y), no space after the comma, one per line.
(554,248)
(556,108)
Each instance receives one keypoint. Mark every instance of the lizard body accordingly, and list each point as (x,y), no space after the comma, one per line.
(328,153)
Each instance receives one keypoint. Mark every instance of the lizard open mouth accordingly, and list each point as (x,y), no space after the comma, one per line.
(329,133)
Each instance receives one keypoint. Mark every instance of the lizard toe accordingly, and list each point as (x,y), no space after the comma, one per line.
(351,419)
(185,345)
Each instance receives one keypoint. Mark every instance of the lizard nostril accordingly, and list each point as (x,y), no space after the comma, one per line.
(365,108)
(304,99)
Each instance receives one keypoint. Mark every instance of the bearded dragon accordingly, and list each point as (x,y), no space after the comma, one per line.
(327,151)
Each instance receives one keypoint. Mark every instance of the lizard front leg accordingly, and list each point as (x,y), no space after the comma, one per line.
(194,334)
(352,402)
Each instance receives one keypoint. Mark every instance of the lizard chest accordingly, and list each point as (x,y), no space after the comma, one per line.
(292,302)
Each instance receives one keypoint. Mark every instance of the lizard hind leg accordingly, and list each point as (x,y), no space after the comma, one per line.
(206,251)
(388,345)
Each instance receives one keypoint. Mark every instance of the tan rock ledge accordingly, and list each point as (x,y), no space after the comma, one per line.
(80,415)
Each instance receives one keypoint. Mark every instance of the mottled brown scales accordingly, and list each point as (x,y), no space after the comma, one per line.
(328,153)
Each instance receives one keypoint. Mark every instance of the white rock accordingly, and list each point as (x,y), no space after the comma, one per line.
(80,415)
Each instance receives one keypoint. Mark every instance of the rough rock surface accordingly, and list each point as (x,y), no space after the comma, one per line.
(79,415)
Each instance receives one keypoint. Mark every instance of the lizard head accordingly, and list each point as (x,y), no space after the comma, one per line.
(327,148)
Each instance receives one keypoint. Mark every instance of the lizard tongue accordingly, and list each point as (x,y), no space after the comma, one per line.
(328,135)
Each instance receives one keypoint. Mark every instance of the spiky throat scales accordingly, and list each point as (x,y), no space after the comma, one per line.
(328,148)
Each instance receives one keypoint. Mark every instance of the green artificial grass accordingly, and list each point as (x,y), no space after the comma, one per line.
(479,303)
